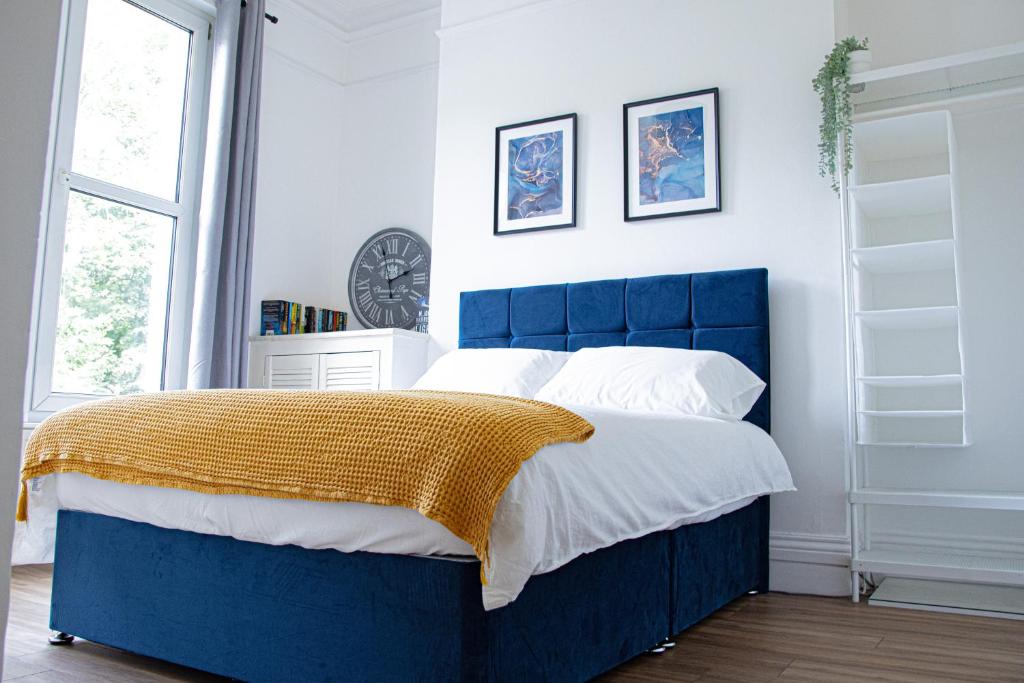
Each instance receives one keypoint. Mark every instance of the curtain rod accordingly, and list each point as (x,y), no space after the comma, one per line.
(269,17)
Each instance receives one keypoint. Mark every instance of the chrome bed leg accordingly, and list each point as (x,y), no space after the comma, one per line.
(661,647)
(61,638)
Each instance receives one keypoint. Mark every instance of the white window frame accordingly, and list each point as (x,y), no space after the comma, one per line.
(41,398)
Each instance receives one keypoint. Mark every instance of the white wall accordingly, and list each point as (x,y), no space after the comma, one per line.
(29,34)
(590,57)
(389,115)
(298,204)
(346,149)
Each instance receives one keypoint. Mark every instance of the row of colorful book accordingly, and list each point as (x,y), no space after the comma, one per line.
(288,317)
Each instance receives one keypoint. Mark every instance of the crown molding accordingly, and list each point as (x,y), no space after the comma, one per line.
(347,83)
(310,15)
(303,66)
(346,40)
(394,75)
(314,12)
(497,17)
(396,24)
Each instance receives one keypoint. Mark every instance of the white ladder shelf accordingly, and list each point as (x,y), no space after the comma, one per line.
(902,283)
(907,385)
(902,297)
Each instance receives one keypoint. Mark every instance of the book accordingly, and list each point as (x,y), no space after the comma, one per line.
(309,321)
(278,316)
(273,316)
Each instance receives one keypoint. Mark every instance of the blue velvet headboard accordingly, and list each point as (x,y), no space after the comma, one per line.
(721,311)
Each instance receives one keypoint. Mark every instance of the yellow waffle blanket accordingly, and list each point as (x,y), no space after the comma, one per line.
(447,455)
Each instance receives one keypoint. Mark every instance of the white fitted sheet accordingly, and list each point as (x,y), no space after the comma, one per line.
(638,474)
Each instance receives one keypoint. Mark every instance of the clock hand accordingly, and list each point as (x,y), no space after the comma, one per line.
(384,253)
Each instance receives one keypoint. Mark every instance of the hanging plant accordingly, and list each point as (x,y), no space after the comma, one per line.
(833,86)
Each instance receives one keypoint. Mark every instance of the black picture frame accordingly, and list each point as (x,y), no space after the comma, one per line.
(500,227)
(628,149)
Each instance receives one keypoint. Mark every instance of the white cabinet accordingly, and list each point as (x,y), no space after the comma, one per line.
(359,360)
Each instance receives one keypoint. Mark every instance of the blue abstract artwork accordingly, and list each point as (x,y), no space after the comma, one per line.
(671,156)
(535,175)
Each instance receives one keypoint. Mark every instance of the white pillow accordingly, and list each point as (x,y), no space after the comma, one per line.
(662,380)
(506,372)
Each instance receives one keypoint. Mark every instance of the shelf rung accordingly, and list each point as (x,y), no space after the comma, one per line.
(974,500)
(911,380)
(911,413)
(903,183)
(910,197)
(913,444)
(909,318)
(905,257)
(926,565)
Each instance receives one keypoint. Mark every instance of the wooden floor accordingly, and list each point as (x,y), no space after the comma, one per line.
(759,638)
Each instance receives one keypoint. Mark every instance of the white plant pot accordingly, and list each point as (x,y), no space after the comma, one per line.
(860,60)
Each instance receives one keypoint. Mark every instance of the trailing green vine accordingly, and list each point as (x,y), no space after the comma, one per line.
(833,86)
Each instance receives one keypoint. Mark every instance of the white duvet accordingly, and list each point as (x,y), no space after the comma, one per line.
(639,473)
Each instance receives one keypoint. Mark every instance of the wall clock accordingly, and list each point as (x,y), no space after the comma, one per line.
(390,278)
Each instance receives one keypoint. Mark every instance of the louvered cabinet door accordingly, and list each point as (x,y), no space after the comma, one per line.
(350,371)
(357,360)
(299,372)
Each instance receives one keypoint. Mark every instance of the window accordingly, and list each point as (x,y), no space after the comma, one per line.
(114,293)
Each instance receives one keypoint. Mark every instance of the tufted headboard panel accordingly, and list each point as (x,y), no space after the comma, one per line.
(721,311)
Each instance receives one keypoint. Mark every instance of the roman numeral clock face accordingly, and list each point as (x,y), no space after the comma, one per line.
(390,279)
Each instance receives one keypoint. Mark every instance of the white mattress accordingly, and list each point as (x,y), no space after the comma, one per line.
(638,474)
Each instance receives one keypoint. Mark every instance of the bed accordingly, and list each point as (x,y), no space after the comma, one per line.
(257,611)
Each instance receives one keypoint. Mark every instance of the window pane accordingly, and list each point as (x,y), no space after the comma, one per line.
(131,98)
(113,298)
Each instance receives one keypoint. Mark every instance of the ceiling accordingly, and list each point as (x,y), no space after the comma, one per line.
(358,15)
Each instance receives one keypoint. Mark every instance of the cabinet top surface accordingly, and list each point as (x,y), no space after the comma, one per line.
(347,334)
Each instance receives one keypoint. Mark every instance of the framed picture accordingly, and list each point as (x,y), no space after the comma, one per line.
(670,156)
(535,175)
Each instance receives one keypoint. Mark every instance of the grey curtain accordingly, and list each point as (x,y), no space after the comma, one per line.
(220,317)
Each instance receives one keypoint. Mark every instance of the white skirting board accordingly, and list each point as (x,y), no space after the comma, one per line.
(810,564)
(1005,602)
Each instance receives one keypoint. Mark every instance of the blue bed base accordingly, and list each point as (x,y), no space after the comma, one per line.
(282,613)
